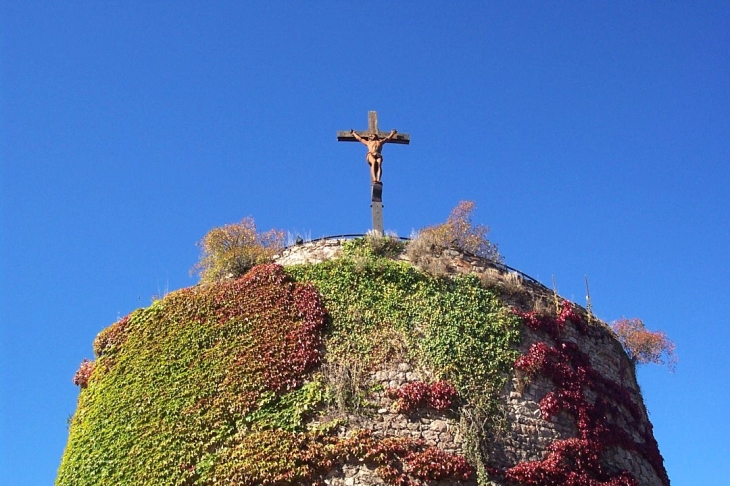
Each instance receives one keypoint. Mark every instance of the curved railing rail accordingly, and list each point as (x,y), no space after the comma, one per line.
(497,265)
(345,237)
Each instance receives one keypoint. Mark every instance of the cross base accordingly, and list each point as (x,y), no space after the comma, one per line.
(377,207)
(377,192)
(377,218)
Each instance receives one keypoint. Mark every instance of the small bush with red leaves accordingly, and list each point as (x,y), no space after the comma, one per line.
(551,324)
(82,375)
(434,464)
(442,395)
(111,338)
(644,346)
(439,395)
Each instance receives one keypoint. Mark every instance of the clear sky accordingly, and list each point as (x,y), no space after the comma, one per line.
(593,136)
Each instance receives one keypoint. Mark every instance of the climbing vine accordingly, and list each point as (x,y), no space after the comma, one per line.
(217,383)
(450,325)
(417,394)
(174,384)
(278,457)
(577,460)
(83,374)
(221,383)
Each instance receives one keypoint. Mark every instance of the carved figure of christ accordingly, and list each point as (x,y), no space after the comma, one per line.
(374,157)
(374,140)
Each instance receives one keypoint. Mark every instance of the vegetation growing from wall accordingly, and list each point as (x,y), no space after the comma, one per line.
(644,346)
(450,325)
(277,457)
(174,383)
(386,311)
(459,232)
(577,461)
(439,395)
(81,378)
(233,249)
(374,245)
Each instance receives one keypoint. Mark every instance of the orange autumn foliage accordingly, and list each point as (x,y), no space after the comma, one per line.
(644,346)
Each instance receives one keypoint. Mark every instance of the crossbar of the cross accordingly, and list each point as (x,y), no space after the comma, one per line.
(345,136)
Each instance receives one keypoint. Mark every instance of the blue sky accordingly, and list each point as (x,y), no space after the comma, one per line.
(594,138)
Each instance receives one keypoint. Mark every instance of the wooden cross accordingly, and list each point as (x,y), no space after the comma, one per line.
(377,187)
(346,136)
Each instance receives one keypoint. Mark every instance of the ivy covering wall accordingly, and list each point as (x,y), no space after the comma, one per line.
(219,383)
(384,310)
(253,381)
(174,383)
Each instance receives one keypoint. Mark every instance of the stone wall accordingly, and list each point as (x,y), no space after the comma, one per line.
(315,252)
(440,429)
(528,435)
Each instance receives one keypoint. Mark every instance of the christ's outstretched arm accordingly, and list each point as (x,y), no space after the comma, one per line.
(357,137)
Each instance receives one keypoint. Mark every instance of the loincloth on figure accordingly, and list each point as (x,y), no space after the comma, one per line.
(378,157)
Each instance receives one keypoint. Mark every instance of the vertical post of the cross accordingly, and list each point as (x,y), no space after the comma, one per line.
(373,122)
(374,157)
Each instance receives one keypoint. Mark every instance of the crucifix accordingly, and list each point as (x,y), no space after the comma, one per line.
(374,139)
